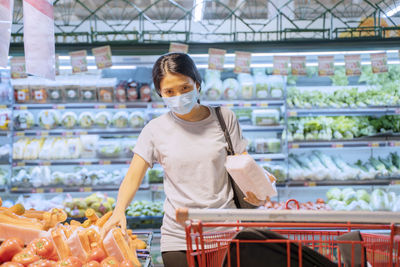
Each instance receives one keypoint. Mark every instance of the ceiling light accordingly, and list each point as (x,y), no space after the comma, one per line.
(198,10)
(393,11)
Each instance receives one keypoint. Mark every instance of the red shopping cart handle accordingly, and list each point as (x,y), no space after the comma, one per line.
(292,200)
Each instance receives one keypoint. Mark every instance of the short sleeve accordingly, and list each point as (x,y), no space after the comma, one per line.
(238,141)
(145,145)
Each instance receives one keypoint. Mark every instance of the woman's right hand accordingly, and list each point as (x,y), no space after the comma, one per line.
(117,218)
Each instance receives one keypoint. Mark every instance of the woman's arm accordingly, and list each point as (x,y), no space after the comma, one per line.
(127,190)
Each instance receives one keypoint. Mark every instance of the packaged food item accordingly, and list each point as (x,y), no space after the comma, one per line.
(213,85)
(71,92)
(145,93)
(276,85)
(246,82)
(136,119)
(69,120)
(88,92)
(89,145)
(231,89)
(261,83)
(109,148)
(120,92)
(260,145)
(32,149)
(105,90)
(55,92)
(5,118)
(243,114)
(132,91)
(273,145)
(21,91)
(23,120)
(39,93)
(86,120)
(265,117)
(103,119)
(74,147)
(120,119)
(49,119)
(47,148)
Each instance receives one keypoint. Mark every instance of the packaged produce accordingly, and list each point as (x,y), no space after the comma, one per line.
(5,118)
(276,85)
(213,85)
(88,92)
(89,145)
(23,120)
(39,93)
(103,119)
(261,83)
(246,82)
(32,149)
(155,176)
(265,117)
(277,170)
(49,119)
(129,145)
(5,151)
(120,119)
(105,90)
(21,92)
(86,120)
(19,147)
(71,92)
(47,148)
(132,91)
(274,145)
(136,119)
(231,89)
(243,114)
(69,120)
(109,148)
(120,92)
(145,93)
(55,92)
(74,147)
(263,145)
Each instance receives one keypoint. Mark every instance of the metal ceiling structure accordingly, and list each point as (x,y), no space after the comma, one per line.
(161,21)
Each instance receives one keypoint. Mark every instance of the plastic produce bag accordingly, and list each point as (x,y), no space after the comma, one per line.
(6,11)
(247,84)
(231,89)
(39,43)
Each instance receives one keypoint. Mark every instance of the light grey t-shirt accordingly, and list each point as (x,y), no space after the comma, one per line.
(192,155)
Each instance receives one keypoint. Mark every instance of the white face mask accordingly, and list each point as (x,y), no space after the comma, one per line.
(182,104)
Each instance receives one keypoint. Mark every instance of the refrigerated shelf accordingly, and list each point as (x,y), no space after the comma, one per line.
(95,105)
(373,111)
(77,132)
(338,144)
(391,181)
(67,189)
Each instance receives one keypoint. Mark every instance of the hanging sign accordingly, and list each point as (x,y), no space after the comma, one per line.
(298,65)
(103,57)
(326,66)
(280,65)
(379,62)
(78,61)
(216,59)
(178,48)
(242,62)
(353,65)
(18,68)
(6,11)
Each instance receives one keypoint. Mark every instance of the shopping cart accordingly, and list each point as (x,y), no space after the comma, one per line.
(318,230)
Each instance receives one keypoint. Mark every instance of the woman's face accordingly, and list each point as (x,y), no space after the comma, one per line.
(175,84)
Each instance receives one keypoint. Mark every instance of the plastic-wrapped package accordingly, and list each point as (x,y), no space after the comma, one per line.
(71,89)
(213,85)
(120,119)
(136,119)
(276,85)
(89,145)
(105,89)
(69,120)
(109,148)
(86,120)
(23,120)
(88,92)
(103,119)
(145,93)
(74,148)
(60,149)
(5,118)
(231,89)
(21,90)
(265,117)
(39,92)
(19,147)
(47,147)
(55,91)
(120,92)
(32,149)
(132,91)
(261,83)
(274,145)
(246,82)
(49,119)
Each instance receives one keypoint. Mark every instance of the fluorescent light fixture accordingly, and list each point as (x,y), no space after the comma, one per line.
(131,67)
(198,10)
(393,11)
(6,68)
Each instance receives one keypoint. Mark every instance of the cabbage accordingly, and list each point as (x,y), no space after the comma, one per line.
(49,119)
(396,206)
(68,120)
(363,195)
(334,194)
(379,200)
(86,120)
(349,196)
(337,205)
(392,198)
(358,205)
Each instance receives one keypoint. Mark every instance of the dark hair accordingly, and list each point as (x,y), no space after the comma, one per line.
(174,63)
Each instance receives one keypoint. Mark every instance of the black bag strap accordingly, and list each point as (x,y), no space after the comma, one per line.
(225,130)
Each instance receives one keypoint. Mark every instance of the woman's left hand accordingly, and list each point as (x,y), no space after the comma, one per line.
(253,200)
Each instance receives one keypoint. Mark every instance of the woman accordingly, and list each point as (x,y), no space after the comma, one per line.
(190,146)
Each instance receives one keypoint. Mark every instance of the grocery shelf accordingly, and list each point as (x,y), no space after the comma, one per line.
(82,162)
(272,128)
(269,157)
(77,132)
(65,189)
(5,133)
(95,105)
(337,112)
(338,144)
(2,189)
(386,181)
(272,102)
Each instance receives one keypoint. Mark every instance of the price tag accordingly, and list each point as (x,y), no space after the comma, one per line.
(3,106)
(85,189)
(292,113)
(242,62)
(353,65)
(81,133)
(374,144)
(78,61)
(59,107)
(396,182)
(228,105)
(310,184)
(394,143)
(178,48)
(45,163)
(337,145)
(266,159)
(105,162)
(281,65)
(18,68)
(298,66)
(216,59)
(20,164)
(100,106)
(247,105)
(397,111)
(86,163)
(326,66)
(19,134)
(294,146)
(262,104)
(59,190)
(120,106)
(14,189)
(42,133)
(38,190)
(67,134)
(102,56)
(158,105)
(22,107)
(379,62)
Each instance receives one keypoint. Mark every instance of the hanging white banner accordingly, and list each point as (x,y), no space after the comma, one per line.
(39,40)
(6,9)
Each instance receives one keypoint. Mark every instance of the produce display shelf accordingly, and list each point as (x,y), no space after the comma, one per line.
(269,157)
(262,103)
(65,189)
(95,105)
(337,112)
(82,162)
(388,181)
(5,133)
(272,128)
(62,132)
(339,144)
